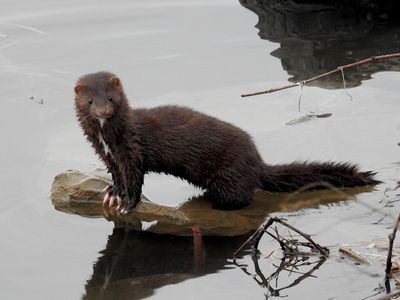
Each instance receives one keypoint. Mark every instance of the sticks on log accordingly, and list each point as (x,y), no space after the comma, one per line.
(286,245)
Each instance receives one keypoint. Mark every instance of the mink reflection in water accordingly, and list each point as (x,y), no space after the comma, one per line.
(133,265)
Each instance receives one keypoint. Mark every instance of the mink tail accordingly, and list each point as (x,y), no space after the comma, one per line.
(313,176)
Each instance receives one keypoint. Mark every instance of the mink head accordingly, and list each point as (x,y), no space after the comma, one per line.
(99,96)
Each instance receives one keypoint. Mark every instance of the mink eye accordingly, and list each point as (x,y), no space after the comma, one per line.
(110,98)
(90,101)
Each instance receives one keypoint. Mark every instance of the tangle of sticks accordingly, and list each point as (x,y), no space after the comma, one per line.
(338,69)
(289,246)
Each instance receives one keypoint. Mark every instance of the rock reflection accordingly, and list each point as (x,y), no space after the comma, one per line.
(318,36)
(133,265)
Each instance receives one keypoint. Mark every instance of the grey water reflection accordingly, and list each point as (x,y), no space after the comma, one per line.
(133,265)
(318,36)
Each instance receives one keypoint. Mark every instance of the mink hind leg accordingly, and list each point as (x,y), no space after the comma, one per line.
(232,187)
(229,195)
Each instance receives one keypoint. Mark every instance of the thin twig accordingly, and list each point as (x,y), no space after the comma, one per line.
(338,69)
(344,85)
(392,236)
(323,250)
(301,94)
(389,296)
(285,247)
(255,236)
(353,255)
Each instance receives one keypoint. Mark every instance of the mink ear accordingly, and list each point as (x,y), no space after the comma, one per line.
(115,81)
(79,88)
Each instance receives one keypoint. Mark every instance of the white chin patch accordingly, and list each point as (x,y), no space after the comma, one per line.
(101,121)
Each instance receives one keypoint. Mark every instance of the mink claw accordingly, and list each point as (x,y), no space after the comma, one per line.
(108,188)
(106,199)
(119,203)
(124,210)
(112,201)
(127,208)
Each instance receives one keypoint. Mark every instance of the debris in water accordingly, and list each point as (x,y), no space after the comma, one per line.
(308,117)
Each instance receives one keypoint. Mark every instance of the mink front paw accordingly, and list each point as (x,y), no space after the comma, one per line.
(112,196)
(128,205)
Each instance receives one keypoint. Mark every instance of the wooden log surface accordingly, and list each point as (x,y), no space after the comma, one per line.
(81,193)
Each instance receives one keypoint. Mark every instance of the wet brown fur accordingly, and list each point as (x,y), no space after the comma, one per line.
(207,152)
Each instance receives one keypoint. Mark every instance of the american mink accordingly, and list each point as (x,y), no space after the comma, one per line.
(209,153)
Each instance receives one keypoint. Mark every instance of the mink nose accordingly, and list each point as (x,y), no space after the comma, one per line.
(103,112)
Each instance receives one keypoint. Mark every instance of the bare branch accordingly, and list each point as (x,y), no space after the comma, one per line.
(338,69)
(255,237)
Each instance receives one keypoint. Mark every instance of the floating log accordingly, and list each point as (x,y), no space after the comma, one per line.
(81,193)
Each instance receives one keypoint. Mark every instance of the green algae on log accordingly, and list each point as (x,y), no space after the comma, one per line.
(81,193)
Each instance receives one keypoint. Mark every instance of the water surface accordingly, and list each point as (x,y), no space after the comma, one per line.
(201,54)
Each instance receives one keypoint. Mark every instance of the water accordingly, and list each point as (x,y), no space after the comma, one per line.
(201,54)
